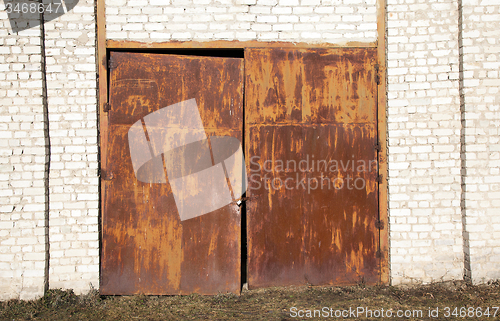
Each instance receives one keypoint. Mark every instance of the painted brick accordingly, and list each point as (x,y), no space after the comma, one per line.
(481,104)
(409,84)
(424,128)
(273,13)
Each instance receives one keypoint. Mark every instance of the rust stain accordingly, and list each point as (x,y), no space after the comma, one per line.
(146,248)
(303,107)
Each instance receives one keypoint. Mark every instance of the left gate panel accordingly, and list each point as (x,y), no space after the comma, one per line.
(170,224)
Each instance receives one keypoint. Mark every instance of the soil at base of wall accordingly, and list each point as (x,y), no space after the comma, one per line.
(439,301)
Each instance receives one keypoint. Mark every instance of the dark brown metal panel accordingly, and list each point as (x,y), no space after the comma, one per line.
(311,132)
(146,247)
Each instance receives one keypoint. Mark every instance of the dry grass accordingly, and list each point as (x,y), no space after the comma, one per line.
(267,304)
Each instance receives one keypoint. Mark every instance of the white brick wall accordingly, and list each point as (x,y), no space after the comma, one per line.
(333,21)
(74,194)
(424,126)
(481,66)
(71,82)
(424,141)
(22,159)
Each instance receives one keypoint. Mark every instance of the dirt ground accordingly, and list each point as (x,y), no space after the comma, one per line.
(442,301)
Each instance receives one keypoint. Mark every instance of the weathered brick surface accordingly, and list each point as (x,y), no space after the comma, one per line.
(22,159)
(333,21)
(71,83)
(437,232)
(72,96)
(481,105)
(424,141)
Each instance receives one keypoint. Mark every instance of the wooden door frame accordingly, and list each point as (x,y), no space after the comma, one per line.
(104,45)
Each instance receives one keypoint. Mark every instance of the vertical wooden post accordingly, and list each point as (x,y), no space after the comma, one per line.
(382,136)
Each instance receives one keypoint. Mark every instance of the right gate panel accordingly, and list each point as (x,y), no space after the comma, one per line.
(311,152)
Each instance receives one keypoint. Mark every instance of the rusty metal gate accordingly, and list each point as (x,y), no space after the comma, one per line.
(310,126)
(147,245)
(311,151)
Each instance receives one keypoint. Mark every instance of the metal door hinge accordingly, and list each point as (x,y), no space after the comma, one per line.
(112,63)
(379,178)
(377,74)
(378,147)
(379,224)
(378,254)
(106,107)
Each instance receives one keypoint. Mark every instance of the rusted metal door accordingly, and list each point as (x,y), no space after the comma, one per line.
(311,151)
(150,243)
